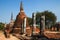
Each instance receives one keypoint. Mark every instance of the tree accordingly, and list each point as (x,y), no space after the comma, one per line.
(29,20)
(50,17)
(1,26)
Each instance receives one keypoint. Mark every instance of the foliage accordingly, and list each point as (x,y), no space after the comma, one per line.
(1,26)
(29,20)
(49,16)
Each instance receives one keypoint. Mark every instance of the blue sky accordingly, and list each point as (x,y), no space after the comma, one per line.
(30,6)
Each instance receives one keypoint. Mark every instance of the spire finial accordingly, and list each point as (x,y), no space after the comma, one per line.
(11,15)
(21,6)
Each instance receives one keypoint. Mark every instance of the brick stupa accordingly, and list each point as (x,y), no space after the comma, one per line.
(17,28)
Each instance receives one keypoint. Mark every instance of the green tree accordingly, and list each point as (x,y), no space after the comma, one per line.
(29,20)
(49,16)
(1,26)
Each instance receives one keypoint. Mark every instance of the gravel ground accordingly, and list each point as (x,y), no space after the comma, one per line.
(2,37)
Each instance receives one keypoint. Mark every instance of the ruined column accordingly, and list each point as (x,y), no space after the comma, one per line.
(5,25)
(34,22)
(25,25)
(42,24)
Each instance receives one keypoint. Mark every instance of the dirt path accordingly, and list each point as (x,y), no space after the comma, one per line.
(2,37)
(52,34)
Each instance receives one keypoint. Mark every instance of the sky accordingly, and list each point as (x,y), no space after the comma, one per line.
(13,6)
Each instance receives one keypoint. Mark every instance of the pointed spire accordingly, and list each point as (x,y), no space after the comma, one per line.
(5,24)
(21,6)
(11,16)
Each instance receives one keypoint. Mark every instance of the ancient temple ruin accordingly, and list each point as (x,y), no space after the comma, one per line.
(21,25)
(19,22)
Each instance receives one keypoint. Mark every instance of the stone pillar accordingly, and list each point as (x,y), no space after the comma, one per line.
(34,22)
(42,24)
(25,25)
(5,25)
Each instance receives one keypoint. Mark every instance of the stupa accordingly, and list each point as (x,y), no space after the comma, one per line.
(19,22)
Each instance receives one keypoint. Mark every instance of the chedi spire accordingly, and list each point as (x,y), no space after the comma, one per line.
(21,7)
